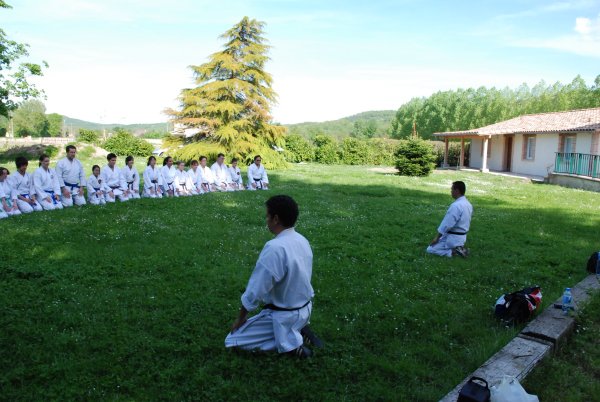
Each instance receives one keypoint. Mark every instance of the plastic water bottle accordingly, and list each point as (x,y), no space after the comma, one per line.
(567,300)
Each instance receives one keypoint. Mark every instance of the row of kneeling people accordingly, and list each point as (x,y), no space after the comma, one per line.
(63,186)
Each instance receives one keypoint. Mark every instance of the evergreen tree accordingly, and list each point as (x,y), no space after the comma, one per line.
(230,106)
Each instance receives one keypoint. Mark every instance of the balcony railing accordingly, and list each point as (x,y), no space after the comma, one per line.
(577,164)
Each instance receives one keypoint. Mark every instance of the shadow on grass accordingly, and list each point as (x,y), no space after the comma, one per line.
(142,295)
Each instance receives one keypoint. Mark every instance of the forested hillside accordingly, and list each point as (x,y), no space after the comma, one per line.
(465,109)
(363,125)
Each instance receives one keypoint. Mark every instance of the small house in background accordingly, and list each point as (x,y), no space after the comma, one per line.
(563,147)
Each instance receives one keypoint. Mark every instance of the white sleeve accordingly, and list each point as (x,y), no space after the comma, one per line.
(59,173)
(136,180)
(262,279)
(250,174)
(81,174)
(452,216)
(56,184)
(38,186)
(264,176)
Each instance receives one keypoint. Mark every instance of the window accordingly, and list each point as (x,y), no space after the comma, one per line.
(529,147)
(569,147)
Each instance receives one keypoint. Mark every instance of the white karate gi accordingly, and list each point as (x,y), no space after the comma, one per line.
(95,185)
(236,178)
(258,176)
(183,184)
(10,195)
(132,180)
(152,182)
(458,221)
(114,180)
(196,179)
(221,175)
(168,178)
(23,186)
(45,183)
(70,175)
(208,179)
(282,278)
(3,213)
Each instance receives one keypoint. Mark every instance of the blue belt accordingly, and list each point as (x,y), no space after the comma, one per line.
(52,196)
(72,185)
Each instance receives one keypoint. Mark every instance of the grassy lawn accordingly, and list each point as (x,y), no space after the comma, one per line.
(133,301)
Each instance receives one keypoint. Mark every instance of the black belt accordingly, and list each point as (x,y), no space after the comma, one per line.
(154,181)
(277,308)
(456,233)
(114,187)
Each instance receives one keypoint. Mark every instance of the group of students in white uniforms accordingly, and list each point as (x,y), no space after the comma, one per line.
(63,186)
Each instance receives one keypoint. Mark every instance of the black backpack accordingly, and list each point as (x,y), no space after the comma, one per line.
(593,262)
(519,306)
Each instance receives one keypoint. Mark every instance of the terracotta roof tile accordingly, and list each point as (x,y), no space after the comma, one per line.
(572,120)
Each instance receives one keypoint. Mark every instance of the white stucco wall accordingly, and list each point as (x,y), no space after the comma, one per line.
(583,145)
(496,159)
(475,153)
(546,146)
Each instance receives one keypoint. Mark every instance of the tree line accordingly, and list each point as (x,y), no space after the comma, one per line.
(30,120)
(465,109)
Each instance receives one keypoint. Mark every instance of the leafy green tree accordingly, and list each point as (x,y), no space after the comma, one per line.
(230,106)
(326,150)
(13,77)
(55,124)
(298,149)
(123,143)
(89,136)
(415,157)
(364,129)
(3,125)
(30,119)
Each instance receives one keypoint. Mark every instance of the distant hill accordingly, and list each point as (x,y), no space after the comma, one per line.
(72,124)
(380,120)
(341,128)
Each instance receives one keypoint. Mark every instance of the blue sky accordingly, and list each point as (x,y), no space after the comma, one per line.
(124,61)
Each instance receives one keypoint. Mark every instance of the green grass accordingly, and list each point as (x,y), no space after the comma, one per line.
(133,301)
(573,374)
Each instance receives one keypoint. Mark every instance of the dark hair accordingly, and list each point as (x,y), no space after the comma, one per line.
(256,157)
(110,156)
(42,157)
(194,162)
(285,208)
(166,160)
(220,154)
(202,157)
(69,147)
(94,167)
(180,162)
(21,161)
(129,158)
(2,169)
(460,186)
(149,159)
(234,160)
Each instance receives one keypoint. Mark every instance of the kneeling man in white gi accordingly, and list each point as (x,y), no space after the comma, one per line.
(452,232)
(280,280)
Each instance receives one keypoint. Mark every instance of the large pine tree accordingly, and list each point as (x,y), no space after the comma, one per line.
(230,106)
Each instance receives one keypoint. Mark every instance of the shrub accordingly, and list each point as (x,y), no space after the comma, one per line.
(85,152)
(89,136)
(356,152)
(124,143)
(415,157)
(298,149)
(326,150)
(51,151)
(383,151)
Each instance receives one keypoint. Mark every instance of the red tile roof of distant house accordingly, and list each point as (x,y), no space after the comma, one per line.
(569,121)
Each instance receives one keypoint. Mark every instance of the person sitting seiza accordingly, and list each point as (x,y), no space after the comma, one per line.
(46,185)
(195,175)
(235,175)
(168,172)
(111,175)
(22,183)
(8,196)
(152,180)
(257,175)
(208,179)
(183,184)
(132,178)
(221,174)
(71,178)
(96,188)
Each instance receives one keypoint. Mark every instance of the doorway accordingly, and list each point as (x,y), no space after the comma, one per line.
(508,150)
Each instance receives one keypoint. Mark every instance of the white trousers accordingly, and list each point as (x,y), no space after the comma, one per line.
(271,330)
(50,205)
(96,199)
(446,244)
(117,194)
(75,198)
(260,185)
(26,208)
(12,212)
(134,195)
